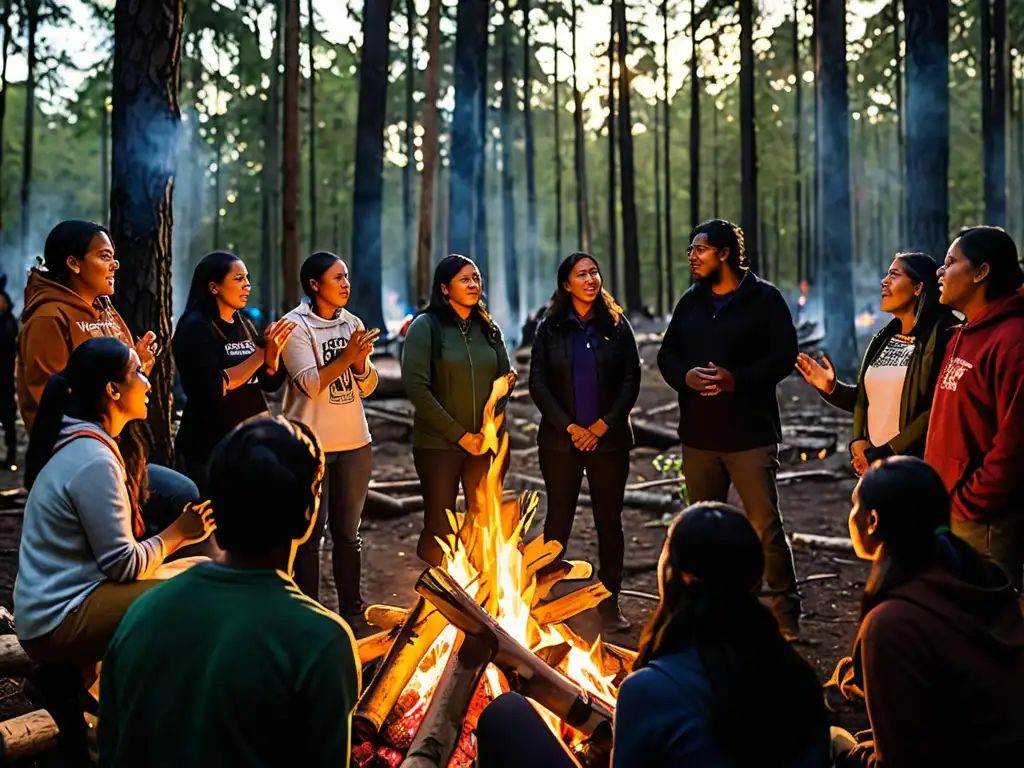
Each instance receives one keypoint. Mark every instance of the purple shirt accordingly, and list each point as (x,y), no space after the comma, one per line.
(584,372)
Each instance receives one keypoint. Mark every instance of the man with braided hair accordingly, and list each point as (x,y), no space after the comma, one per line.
(730,342)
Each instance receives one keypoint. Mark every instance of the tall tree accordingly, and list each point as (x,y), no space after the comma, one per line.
(532,246)
(834,150)
(901,212)
(694,119)
(470,77)
(291,151)
(146,124)
(993,108)
(218,146)
(427,180)
(613,217)
(798,146)
(480,196)
(659,254)
(508,205)
(5,52)
(927,113)
(748,134)
(368,186)
(410,150)
(314,180)
(556,50)
(814,255)
(667,163)
(270,174)
(579,146)
(630,236)
(31,8)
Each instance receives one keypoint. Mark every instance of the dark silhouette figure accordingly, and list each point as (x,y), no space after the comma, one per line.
(8,355)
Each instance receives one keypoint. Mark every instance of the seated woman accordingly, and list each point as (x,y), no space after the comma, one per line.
(715,685)
(66,303)
(939,655)
(892,398)
(81,563)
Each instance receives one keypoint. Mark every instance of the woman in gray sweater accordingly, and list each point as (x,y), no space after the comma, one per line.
(81,563)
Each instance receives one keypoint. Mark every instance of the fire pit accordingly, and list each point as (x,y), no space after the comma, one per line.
(481,626)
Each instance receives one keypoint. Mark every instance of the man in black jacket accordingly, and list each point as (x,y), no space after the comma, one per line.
(730,342)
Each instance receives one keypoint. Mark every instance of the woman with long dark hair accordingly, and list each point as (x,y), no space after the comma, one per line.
(585,379)
(453,353)
(939,655)
(976,431)
(67,302)
(225,365)
(892,398)
(329,374)
(84,557)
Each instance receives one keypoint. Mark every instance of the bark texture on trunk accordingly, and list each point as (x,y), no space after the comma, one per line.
(630,237)
(580,151)
(31,8)
(508,204)
(408,281)
(270,175)
(146,126)
(613,235)
(558,149)
(748,135)
(927,113)
(291,155)
(5,52)
(427,178)
(532,246)
(798,147)
(314,242)
(368,186)
(667,162)
(993,108)
(694,120)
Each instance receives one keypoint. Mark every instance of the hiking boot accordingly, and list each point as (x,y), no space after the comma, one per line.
(611,617)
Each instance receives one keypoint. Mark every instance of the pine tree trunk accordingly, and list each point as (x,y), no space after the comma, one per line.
(146,124)
(666,124)
(5,52)
(427,178)
(613,236)
(748,135)
(630,236)
(798,147)
(659,254)
(831,86)
(291,154)
(368,185)
(32,13)
(270,174)
(470,71)
(104,217)
(814,254)
(480,196)
(558,148)
(218,149)
(410,152)
(993,53)
(314,241)
(508,207)
(532,246)
(694,120)
(580,151)
(927,112)
(898,75)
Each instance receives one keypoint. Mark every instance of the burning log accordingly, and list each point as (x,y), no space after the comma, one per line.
(572,604)
(532,676)
(27,735)
(385,616)
(373,647)
(442,726)
(417,634)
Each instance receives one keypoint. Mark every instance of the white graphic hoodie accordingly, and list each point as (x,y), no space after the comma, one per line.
(335,414)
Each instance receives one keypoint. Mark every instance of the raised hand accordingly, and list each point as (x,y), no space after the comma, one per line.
(275,336)
(196,522)
(821,376)
(147,349)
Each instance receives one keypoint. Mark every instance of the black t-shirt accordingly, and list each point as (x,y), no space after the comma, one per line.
(203,350)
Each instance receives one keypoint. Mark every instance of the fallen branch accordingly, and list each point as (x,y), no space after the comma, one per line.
(653,435)
(380,506)
(799,476)
(27,735)
(829,543)
(394,418)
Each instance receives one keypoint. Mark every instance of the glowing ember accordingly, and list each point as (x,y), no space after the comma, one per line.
(865,320)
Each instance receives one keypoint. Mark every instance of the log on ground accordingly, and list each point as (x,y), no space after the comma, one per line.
(27,735)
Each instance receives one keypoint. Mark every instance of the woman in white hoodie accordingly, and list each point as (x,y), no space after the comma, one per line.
(329,373)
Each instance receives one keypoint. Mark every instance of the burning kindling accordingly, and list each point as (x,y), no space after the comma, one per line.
(479,629)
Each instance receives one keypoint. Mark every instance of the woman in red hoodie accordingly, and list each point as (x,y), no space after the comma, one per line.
(939,656)
(976,431)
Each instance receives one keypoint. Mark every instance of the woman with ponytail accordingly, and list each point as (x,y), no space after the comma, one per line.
(83,559)
(939,655)
(892,398)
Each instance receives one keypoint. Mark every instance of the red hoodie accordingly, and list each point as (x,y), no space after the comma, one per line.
(976,431)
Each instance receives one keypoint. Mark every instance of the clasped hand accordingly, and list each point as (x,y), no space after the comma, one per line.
(711,380)
(586,438)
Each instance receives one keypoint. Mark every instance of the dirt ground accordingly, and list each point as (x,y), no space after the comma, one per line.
(390,567)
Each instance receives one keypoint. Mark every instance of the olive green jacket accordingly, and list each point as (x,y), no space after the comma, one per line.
(918,387)
(448,368)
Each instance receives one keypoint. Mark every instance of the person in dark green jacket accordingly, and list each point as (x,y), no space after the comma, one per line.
(453,353)
(892,398)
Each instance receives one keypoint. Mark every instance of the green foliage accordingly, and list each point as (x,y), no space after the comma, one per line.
(672,465)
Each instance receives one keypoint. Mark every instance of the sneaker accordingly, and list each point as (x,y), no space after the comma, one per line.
(612,619)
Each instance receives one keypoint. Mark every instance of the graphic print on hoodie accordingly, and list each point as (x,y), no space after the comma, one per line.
(976,430)
(336,414)
(55,321)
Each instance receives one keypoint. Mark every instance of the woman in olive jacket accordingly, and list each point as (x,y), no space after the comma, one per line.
(585,379)
(452,355)
(892,398)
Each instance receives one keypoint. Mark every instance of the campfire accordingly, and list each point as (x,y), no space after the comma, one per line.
(479,628)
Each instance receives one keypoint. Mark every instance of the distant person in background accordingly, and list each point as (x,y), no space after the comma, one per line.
(225,365)
(8,358)
(329,374)
(730,342)
(892,398)
(67,303)
(585,379)
(976,431)
(453,353)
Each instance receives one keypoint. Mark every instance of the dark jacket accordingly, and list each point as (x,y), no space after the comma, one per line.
(941,664)
(448,368)
(551,386)
(918,387)
(754,339)
(976,430)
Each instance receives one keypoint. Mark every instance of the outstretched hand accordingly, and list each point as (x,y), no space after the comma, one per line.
(821,376)
(275,336)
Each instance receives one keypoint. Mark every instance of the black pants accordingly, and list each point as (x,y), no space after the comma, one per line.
(753,473)
(1001,539)
(607,472)
(440,472)
(511,734)
(9,418)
